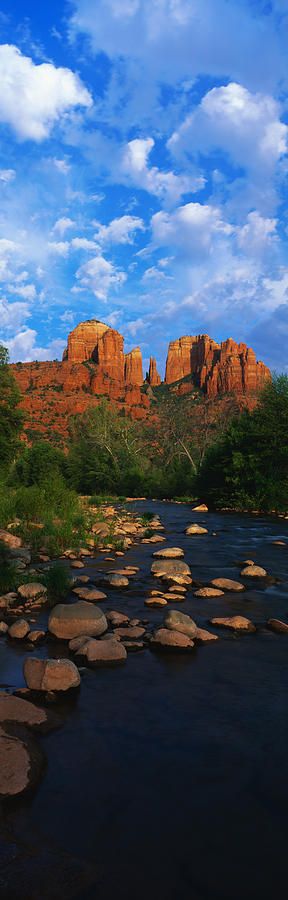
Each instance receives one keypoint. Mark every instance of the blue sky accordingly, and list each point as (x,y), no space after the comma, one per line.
(143,173)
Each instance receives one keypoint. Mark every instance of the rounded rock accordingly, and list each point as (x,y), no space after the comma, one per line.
(234,623)
(254,572)
(67,621)
(169,553)
(19,629)
(208,592)
(102,653)
(226,584)
(50,674)
(178,621)
(196,529)
(32,591)
(171,640)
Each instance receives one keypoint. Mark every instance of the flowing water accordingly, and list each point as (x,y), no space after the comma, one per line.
(170,773)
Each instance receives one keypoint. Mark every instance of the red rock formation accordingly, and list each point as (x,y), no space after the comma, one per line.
(216,368)
(152,376)
(133,367)
(94,367)
(83,340)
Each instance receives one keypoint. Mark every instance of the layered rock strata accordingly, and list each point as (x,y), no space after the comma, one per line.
(215,368)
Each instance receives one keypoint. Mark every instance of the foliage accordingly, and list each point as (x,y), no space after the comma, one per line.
(9,579)
(58,581)
(38,463)
(248,467)
(11,417)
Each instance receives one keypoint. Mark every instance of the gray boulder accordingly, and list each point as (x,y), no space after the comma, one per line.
(178,621)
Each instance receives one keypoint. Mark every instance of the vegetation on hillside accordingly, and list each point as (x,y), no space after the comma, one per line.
(192,448)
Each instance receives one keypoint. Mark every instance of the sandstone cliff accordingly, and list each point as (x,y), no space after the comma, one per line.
(215,368)
(152,376)
(94,367)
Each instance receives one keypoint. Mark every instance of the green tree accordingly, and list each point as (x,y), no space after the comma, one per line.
(248,467)
(39,463)
(11,417)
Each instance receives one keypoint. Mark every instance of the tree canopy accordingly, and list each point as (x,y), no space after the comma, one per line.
(11,417)
(248,466)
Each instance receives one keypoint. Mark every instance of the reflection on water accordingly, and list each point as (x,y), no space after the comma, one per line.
(170,772)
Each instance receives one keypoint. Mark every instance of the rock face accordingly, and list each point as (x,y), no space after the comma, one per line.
(152,376)
(94,366)
(216,368)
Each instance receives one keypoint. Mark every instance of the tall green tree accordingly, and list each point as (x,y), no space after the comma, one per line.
(11,417)
(248,467)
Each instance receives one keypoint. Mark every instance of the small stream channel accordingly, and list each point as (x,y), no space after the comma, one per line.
(170,773)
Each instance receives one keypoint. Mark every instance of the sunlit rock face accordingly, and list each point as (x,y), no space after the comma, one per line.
(94,367)
(215,368)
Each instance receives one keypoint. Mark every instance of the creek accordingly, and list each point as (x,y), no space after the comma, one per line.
(170,773)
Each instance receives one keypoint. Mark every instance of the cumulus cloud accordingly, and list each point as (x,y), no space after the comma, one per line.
(12,316)
(82,243)
(34,97)
(181,39)
(255,237)
(27,291)
(99,276)
(63,224)
(119,231)
(24,347)
(165,185)
(193,229)
(8,251)
(59,248)
(246,126)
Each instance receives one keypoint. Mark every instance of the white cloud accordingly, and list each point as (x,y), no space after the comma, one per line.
(80,243)
(24,347)
(34,97)
(27,291)
(174,39)
(119,231)
(60,248)
(62,166)
(12,316)
(193,229)
(246,126)
(165,185)
(63,224)
(7,175)
(99,276)
(255,237)
(8,251)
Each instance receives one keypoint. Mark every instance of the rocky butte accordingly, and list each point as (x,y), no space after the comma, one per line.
(94,367)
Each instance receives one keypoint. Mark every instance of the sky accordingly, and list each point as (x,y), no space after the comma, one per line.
(143,173)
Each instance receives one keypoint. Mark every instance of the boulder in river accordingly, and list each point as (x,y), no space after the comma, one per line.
(22,764)
(69,620)
(50,674)
(196,529)
(178,621)
(16,711)
(171,640)
(19,629)
(278,626)
(234,623)
(32,591)
(169,553)
(90,594)
(208,592)
(226,584)
(115,581)
(172,567)
(254,572)
(102,653)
